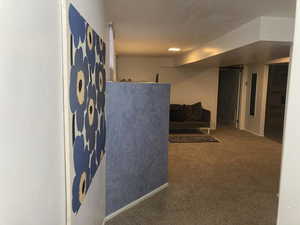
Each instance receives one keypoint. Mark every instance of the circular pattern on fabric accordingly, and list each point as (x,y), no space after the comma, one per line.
(82,187)
(91,111)
(80,87)
(87,83)
(90,38)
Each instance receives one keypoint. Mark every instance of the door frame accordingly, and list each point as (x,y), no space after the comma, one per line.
(240,69)
(239,100)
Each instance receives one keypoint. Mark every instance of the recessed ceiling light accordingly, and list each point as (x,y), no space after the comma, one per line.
(174,49)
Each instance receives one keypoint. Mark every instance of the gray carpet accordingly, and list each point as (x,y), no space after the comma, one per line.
(234,182)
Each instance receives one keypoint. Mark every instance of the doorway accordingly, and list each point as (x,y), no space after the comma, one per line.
(228,97)
(275,108)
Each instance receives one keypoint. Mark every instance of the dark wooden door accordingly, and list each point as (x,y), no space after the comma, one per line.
(275,109)
(228,96)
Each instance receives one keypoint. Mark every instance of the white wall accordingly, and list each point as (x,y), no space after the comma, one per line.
(32,166)
(188,85)
(31,111)
(289,198)
(92,211)
(256,123)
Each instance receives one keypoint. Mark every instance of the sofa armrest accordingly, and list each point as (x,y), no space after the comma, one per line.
(205,115)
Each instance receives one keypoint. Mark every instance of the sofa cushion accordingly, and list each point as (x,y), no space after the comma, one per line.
(173,110)
(188,112)
(180,115)
(172,115)
(177,113)
(195,112)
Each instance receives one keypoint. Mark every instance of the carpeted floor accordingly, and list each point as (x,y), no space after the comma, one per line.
(191,138)
(234,182)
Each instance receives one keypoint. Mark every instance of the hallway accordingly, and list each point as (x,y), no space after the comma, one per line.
(234,182)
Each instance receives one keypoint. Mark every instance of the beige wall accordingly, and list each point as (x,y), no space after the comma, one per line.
(254,124)
(188,85)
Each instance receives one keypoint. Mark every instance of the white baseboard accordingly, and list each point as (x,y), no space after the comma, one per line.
(136,202)
(252,132)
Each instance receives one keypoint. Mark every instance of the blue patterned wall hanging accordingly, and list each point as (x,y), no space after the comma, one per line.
(86,105)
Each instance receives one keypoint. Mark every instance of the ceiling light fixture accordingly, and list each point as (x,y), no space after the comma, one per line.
(174,49)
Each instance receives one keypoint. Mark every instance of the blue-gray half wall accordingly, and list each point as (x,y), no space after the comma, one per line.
(137,116)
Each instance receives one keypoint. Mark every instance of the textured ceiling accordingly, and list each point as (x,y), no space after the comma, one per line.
(151,27)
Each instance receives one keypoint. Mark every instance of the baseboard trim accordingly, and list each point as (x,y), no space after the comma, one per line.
(252,132)
(136,202)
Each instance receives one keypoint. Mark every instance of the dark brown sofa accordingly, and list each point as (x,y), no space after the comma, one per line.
(188,118)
